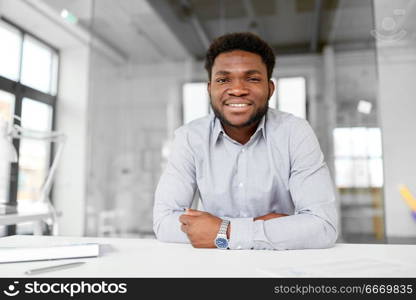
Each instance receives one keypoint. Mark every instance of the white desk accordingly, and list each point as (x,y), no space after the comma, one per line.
(150,258)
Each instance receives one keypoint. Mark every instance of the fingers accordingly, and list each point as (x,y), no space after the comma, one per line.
(184,228)
(184,219)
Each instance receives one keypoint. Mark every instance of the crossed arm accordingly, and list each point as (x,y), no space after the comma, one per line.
(202,227)
(313,224)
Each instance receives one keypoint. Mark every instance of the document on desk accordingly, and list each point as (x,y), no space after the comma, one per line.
(48,252)
(360,267)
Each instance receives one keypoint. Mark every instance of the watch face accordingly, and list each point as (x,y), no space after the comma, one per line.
(221,243)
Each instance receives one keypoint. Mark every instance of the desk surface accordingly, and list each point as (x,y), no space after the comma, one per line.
(151,258)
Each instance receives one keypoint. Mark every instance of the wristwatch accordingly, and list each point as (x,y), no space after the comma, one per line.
(221,240)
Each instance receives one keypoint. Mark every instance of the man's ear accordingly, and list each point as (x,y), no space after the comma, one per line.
(271,87)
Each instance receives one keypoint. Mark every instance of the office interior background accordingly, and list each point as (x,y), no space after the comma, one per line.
(118,77)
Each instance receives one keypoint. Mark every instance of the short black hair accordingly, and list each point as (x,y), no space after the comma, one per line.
(245,41)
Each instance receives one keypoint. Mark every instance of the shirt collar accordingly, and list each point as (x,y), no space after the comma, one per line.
(218,130)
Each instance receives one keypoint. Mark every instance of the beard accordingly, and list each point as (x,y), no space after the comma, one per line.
(254,118)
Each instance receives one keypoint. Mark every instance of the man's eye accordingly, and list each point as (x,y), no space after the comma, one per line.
(221,80)
(254,79)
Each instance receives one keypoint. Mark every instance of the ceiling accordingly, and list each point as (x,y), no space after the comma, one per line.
(290,26)
(130,27)
(144,31)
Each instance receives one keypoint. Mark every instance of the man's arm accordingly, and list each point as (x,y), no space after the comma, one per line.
(175,191)
(202,227)
(312,226)
(314,223)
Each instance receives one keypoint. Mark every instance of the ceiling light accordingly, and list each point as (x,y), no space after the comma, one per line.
(69,17)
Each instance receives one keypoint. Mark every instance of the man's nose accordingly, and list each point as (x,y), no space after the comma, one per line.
(237,89)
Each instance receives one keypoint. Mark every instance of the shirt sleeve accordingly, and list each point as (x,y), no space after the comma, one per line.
(314,223)
(175,191)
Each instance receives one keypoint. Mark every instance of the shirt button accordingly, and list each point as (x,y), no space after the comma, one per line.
(240,184)
(242,150)
(238,247)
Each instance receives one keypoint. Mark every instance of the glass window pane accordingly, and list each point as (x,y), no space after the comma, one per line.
(10,45)
(352,173)
(361,173)
(343,172)
(36,115)
(6,106)
(374,142)
(376,172)
(358,161)
(343,142)
(291,95)
(195,101)
(6,113)
(37,65)
(34,154)
(360,142)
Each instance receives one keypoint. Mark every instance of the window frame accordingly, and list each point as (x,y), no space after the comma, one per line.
(21,91)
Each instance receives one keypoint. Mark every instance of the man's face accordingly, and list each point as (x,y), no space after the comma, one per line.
(239,88)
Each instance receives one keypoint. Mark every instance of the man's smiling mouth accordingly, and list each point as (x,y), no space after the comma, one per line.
(238,104)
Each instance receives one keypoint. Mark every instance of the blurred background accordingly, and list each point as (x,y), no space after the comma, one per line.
(118,77)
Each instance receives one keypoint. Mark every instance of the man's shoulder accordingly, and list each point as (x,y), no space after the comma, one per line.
(200,127)
(284,122)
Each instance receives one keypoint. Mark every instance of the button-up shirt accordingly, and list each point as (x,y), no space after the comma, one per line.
(280,169)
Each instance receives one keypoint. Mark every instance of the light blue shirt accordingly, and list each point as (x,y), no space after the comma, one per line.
(280,169)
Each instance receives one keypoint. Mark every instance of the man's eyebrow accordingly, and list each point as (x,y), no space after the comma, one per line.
(248,72)
(222,73)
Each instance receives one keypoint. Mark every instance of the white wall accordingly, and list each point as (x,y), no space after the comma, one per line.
(397,92)
(397,73)
(70,184)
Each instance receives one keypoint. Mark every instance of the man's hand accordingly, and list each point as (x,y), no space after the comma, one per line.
(270,216)
(201,228)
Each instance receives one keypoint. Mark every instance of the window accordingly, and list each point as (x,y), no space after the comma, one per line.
(39,64)
(291,95)
(28,85)
(11,41)
(195,101)
(358,157)
(34,154)
(359,180)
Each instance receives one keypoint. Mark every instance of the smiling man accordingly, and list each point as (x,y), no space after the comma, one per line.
(260,172)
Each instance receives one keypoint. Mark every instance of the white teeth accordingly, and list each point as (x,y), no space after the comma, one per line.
(237,104)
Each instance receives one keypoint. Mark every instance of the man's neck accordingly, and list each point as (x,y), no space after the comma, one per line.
(241,134)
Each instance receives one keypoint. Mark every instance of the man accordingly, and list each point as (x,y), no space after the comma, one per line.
(260,173)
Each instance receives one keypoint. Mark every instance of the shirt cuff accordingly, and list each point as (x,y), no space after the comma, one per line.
(242,233)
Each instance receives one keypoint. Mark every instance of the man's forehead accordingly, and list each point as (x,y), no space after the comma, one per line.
(238,60)
(238,55)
